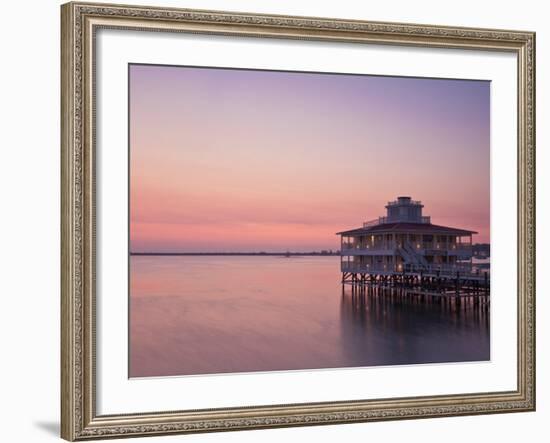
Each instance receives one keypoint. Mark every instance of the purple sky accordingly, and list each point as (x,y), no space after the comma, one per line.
(227,160)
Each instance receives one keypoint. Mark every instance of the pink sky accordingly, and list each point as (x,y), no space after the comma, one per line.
(233,160)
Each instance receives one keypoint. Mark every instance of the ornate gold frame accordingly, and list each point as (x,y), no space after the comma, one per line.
(79,21)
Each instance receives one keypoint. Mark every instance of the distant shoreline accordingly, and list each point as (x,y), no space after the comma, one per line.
(268,254)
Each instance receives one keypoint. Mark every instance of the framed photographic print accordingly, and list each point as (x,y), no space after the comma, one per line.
(282,221)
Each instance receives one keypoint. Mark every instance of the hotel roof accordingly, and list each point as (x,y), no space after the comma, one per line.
(427,228)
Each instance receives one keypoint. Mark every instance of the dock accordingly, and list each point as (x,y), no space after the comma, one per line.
(365,295)
(425,283)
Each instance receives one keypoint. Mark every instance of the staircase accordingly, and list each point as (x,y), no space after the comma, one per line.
(412,258)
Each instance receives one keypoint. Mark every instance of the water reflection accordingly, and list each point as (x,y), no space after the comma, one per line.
(394,326)
(205,315)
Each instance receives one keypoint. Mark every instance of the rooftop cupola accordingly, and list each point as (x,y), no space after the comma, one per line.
(404,209)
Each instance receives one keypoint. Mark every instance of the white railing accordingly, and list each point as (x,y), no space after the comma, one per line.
(420,247)
(439,268)
(375,222)
(409,202)
(362,267)
(444,270)
(377,246)
(405,218)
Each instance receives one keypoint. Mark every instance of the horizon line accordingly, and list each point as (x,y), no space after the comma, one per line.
(288,252)
(322,252)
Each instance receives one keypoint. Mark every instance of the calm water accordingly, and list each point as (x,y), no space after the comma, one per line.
(204,315)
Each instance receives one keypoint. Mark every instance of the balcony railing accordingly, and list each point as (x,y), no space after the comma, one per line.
(443,269)
(410,202)
(376,246)
(448,270)
(363,267)
(431,247)
(405,218)
(375,222)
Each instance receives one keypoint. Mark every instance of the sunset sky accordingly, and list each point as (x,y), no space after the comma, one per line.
(234,160)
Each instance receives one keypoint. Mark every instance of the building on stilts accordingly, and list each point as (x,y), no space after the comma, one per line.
(404,245)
